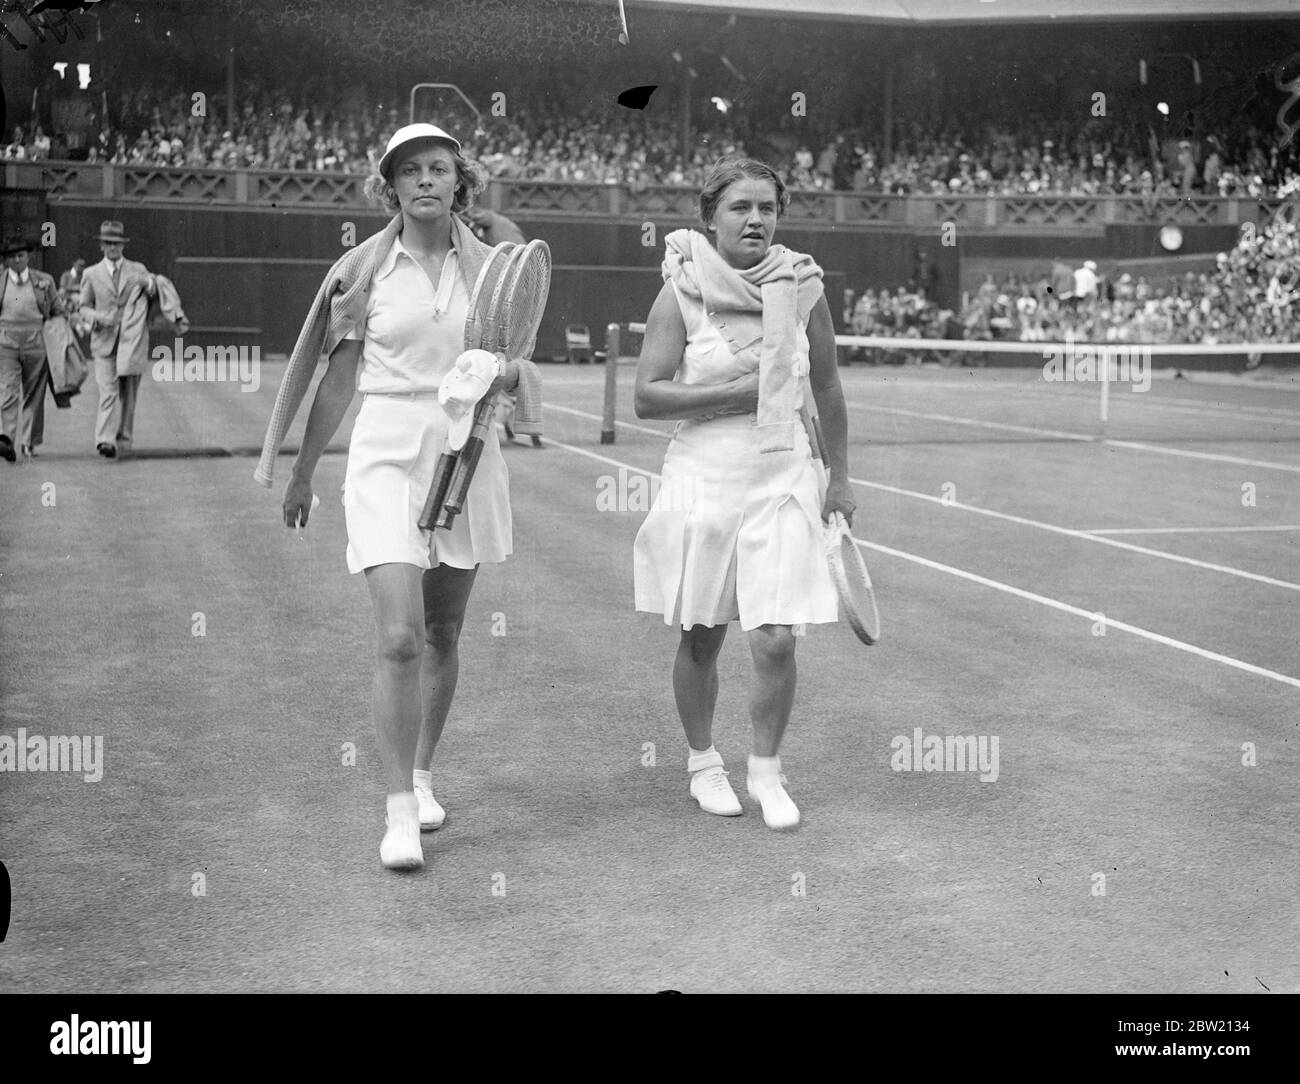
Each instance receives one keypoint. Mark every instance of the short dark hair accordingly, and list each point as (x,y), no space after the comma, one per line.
(470,182)
(727,171)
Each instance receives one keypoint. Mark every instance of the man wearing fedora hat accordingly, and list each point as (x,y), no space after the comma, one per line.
(105,287)
(27,299)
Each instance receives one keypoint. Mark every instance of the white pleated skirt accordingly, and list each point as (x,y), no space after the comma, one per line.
(734,534)
(391,459)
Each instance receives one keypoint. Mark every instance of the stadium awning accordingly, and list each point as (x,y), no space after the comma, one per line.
(952,12)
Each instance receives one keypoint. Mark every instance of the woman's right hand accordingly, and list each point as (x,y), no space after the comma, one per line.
(297,502)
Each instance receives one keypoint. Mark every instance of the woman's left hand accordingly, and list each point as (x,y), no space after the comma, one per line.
(839,498)
(507,376)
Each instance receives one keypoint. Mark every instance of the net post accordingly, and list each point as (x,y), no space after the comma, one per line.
(1105,384)
(612,336)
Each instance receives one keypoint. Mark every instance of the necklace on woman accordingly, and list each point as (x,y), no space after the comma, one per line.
(431,263)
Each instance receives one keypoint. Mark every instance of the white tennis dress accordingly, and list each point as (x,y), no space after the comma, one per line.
(734,533)
(413,334)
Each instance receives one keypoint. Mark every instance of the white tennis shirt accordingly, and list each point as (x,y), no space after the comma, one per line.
(414,329)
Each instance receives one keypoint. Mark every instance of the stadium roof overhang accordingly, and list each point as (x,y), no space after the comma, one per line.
(956,12)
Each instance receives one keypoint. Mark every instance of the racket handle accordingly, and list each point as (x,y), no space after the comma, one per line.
(454,503)
(442,474)
(821,439)
(460,482)
(813,427)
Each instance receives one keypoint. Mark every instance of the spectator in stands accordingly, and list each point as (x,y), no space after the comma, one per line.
(40,148)
(1027,316)
(1061,281)
(1186,171)
(16,148)
(925,275)
(1037,154)
(1085,282)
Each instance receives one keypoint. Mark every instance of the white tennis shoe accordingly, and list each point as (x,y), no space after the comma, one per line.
(779,810)
(400,848)
(431,813)
(710,788)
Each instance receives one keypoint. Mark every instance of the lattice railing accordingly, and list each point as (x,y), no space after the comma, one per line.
(299,189)
(62,180)
(960,210)
(555,196)
(107,183)
(1051,211)
(666,202)
(1179,212)
(813,205)
(183,185)
(862,208)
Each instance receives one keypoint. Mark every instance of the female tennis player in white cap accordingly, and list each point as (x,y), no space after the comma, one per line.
(391,318)
(736,531)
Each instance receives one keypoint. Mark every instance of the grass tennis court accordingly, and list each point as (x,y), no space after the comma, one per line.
(1004,530)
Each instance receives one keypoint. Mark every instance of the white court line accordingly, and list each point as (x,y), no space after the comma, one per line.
(1032,378)
(1069,532)
(626,425)
(1061,392)
(1034,430)
(1217,457)
(997,585)
(1128,400)
(1065,607)
(1188,530)
(1121,396)
(1130,444)
(1219,410)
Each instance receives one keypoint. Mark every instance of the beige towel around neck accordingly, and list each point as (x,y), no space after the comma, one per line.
(769,300)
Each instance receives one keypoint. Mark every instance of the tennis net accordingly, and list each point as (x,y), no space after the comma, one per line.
(922,391)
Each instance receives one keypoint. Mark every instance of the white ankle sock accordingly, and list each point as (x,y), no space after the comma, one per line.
(403,806)
(699,759)
(764,767)
(422,779)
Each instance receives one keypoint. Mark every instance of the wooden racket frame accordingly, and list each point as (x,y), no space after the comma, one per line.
(840,546)
(475,333)
(489,327)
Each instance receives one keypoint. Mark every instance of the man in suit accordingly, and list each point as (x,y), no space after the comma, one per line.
(104,291)
(27,299)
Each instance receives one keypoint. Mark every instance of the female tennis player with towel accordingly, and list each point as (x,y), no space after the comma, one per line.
(736,531)
(391,318)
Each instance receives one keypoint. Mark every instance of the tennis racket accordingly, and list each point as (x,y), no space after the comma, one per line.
(843,555)
(490,276)
(509,322)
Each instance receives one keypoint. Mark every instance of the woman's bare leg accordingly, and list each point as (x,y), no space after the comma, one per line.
(399,634)
(395,698)
(446,594)
(695,681)
(771,695)
(771,698)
